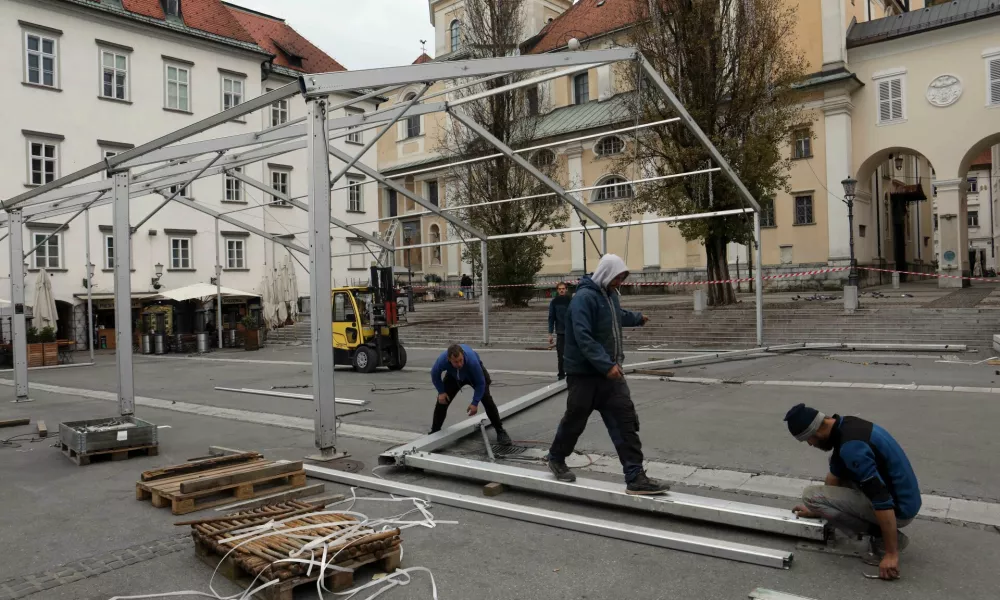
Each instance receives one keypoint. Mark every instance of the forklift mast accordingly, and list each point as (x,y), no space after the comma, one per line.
(384,290)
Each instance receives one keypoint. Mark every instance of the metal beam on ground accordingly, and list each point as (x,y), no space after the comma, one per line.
(778,559)
(19,340)
(688,506)
(322,84)
(291,395)
(712,357)
(122,232)
(446,437)
(766,594)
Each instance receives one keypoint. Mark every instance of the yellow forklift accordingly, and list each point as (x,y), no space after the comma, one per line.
(366,325)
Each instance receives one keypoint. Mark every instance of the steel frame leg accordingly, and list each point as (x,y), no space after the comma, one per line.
(19,340)
(486,293)
(123,293)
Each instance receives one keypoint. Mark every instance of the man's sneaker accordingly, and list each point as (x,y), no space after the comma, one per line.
(644,486)
(876,545)
(561,471)
(502,438)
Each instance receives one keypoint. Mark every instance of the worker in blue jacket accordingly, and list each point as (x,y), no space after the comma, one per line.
(870,489)
(594,377)
(457,367)
(558,309)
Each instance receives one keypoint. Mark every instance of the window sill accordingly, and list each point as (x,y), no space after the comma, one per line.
(803,224)
(412,137)
(887,123)
(178,110)
(112,270)
(353,143)
(116,100)
(181,270)
(802,157)
(277,205)
(49,270)
(768,226)
(235,202)
(603,156)
(228,270)
(359,212)
(356,269)
(40,86)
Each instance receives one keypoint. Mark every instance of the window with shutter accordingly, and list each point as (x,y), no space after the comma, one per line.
(890,100)
(993,68)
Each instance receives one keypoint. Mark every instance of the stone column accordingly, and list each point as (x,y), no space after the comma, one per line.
(953,231)
(574,154)
(837,112)
(834,29)
(650,243)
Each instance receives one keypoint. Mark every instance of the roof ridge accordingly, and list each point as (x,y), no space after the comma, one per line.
(250,10)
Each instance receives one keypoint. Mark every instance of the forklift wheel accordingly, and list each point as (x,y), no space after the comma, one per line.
(365,359)
(400,360)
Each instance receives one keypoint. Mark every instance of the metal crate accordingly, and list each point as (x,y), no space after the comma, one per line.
(81,437)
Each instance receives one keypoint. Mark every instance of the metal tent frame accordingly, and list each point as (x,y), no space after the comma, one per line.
(166,156)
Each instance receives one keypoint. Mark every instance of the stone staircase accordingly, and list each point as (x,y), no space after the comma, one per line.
(291,334)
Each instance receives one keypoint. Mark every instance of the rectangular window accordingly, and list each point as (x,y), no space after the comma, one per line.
(973,218)
(279,183)
(432,193)
(993,81)
(43,161)
(232,92)
(531,96)
(104,155)
(802,140)
(114,72)
(235,258)
(180,253)
(973,185)
(109,252)
(47,256)
(356,137)
(862,230)
(804,210)
(183,191)
(890,100)
(178,88)
(767,213)
(393,203)
(581,88)
(413,126)
(935,222)
(355,196)
(234,187)
(357,252)
(40,59)
(279,112)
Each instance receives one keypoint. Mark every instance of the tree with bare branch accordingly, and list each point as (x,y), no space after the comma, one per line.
(494,28)
(732,64)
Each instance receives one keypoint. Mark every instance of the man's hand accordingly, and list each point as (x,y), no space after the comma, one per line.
(645,319)
(473,409)
(550,340)
(888,569)
(804,513)
(442,398)
(615,373)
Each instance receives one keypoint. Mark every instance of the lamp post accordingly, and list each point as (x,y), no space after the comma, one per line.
(850,185)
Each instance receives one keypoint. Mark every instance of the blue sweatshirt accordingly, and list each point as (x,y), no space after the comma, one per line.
(471,373)
(558,310)
(867,455)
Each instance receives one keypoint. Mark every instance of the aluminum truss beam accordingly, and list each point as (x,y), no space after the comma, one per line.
(324,84)
(767,557)
(290,395)
(766,594)
(19,339)
(242,225)
(688,506)
(446,437)
(122,233)
(712,357)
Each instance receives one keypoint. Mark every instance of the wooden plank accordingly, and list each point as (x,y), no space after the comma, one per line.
(309,490)
(208,483)
(188,504)
(492,489)
(14,422)
(43,431)
(200,465)
(177,479)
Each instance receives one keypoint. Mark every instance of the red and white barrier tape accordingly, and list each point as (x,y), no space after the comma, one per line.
(938,275)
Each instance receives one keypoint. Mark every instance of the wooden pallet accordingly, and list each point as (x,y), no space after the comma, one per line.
(82,459)
(256,563)
(242,483)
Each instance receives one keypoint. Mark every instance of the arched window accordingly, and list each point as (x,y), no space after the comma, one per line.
(456,34)
(609,145)
(543,158)
(412,123)
(435,235)
(613,188)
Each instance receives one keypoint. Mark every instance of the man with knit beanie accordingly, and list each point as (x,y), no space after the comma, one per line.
(870,489)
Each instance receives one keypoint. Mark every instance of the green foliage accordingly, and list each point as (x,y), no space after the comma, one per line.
(249,323)
(32,335)
(432,278)
(47,335)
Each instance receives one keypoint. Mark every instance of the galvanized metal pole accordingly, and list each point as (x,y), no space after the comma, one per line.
(20,337)
(122,231)
(604,242)
(90,285)
(320,266)
(218,285)
(486,293)
(759,278)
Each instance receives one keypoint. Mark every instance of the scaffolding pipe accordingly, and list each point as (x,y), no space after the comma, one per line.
(19,339)
(485,295)
(90,287)
(218,284)
(122,233)
(180,188)
(759,278)
(60,228)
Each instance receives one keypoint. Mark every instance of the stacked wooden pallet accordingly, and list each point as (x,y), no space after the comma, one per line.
(200,484)
(259,560)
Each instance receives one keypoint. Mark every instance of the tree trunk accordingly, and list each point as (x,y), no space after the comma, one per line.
(719,294)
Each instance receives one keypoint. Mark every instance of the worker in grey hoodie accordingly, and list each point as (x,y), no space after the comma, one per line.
(594,378)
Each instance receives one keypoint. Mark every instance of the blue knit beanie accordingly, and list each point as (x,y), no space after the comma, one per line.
(803,422)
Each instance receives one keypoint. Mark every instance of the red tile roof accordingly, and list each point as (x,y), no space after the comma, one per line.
(275,36)
(423,58)
(210,16)
(986,158)
(585,20)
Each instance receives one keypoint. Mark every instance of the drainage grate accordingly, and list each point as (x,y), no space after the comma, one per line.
(499,450)
(346,464)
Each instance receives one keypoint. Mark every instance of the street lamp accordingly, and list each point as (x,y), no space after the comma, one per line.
(850,185)
(159,274)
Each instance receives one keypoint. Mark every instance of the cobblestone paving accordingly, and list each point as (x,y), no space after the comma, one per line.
(962,298)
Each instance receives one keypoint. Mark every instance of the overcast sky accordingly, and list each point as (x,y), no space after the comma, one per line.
(359,34)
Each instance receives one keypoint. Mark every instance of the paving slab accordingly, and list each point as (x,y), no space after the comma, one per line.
(965,510)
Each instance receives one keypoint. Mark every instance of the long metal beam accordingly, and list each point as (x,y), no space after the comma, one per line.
(299,205)
(122,233)
(324,84)
(61,227)
(290,395)
(18,339)
(688,506)
(446,437)
(374,174)
(778,559)
(524,83)
(240,224)
(177,192)
(530,168)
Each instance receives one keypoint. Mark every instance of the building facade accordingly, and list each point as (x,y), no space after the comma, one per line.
(873,106)
(91,79)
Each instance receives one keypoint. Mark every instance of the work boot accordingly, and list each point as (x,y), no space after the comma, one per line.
(502,438)
(876,545)
(642,485)
(561,471)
